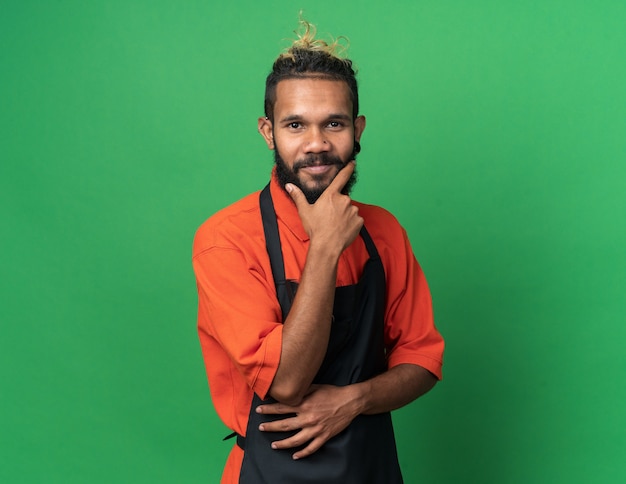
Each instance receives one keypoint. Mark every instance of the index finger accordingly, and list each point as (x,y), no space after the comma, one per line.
(275,409)
(342,177)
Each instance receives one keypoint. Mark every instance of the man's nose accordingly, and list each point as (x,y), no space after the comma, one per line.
(316,142)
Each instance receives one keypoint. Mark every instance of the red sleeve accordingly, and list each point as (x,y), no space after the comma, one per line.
(410,331)
(238,309)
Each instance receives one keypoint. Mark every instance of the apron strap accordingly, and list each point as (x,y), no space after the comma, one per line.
(369,243)
(274,250)
(284,291)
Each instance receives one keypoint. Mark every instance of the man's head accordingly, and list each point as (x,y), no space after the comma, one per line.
(311,107)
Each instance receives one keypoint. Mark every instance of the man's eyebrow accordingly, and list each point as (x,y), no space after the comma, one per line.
(291,117)
(298,117)
(342,116)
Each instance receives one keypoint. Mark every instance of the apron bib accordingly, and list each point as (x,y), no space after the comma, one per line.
(365,452)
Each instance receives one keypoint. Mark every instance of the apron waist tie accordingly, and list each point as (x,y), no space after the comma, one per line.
(241,440)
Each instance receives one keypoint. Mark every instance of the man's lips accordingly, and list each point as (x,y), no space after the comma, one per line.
(317,168)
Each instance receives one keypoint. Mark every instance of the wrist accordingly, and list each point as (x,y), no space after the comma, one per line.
(360,397)
(323,253)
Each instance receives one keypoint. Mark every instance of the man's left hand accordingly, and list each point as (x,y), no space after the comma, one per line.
(324,412)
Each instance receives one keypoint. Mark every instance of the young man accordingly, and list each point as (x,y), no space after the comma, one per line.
(315,319)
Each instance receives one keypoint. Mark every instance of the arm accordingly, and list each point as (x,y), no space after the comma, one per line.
(327,410)
(415,349)
(393,389)
(332,223)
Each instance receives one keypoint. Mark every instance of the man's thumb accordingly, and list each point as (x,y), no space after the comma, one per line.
(296,194)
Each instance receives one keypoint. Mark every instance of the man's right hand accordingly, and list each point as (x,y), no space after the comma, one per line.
(332,222)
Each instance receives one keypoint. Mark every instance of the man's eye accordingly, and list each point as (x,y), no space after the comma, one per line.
(294,125)
(334,124)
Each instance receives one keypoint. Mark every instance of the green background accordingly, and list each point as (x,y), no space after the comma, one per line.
(496,134)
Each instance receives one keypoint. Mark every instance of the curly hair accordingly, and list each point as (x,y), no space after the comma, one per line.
(311,58)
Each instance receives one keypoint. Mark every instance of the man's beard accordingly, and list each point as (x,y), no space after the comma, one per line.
(290,175)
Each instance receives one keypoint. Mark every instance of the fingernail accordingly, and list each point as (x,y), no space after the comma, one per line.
(295,457)
(261,428)
(274,446)
(289,187)
(258,410)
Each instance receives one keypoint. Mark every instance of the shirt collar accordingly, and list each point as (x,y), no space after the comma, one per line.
(286,210)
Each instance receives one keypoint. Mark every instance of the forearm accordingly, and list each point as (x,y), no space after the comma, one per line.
(393,389)
(307,328)
(327,410)
(332,223)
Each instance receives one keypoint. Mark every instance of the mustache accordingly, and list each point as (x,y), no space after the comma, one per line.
(317,160)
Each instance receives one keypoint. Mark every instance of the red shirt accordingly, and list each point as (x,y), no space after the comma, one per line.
(239,318)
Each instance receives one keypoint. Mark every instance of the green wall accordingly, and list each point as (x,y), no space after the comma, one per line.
(496,133)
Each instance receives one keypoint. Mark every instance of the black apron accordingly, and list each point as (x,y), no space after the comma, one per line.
(365,452)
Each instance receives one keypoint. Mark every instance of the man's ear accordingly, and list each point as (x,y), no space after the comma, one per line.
(267,131)
(359,126)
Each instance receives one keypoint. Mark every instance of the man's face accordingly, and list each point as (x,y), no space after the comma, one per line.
(313,132)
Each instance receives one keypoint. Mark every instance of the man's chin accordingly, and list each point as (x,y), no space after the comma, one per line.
(314,186)
(312,191)
(311,183)
(317,184)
